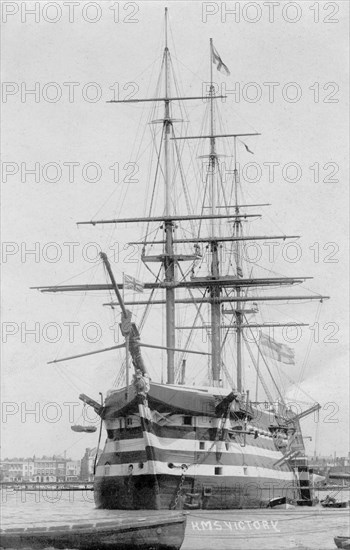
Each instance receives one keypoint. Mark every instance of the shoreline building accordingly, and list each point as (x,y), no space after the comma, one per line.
(87,464)
(45,469)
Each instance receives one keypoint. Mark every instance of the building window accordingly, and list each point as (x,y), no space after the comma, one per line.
(218,470)
(187,420)
(107,468)
(129,421)
(201,445)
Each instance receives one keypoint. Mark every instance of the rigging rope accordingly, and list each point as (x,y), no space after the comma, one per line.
(261,378)
(268,368)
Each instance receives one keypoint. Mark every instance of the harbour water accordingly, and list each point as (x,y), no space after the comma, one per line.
(297,528)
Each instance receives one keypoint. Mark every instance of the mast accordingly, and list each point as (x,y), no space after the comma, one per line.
(168,263)
(237,233)
(169,260)
(127,327)
(215,268)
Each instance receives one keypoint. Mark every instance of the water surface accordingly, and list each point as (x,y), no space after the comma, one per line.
(298,528)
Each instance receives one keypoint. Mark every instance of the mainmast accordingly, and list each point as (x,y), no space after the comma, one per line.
(237,233)
(215,268)
(168,263)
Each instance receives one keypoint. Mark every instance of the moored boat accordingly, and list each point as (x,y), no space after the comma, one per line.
(342,542)
(158,532)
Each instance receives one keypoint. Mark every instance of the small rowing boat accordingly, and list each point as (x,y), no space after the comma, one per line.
(155,531)
(331,502)
(342,542)
(86,429)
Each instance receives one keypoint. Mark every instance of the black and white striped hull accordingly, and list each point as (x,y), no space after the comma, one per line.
(148,492)
(149,464)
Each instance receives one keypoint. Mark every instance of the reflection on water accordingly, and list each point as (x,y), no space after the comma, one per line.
(36,508)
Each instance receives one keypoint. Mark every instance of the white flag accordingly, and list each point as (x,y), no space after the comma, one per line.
(220,65)
(130,283)
(277,351)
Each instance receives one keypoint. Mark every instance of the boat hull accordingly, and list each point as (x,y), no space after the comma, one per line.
(342,542)
(176,449)
(143,532)
(205,492)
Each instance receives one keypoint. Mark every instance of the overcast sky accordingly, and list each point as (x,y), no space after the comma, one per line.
(288,67)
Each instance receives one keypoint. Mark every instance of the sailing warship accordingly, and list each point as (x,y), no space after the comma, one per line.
(170,445)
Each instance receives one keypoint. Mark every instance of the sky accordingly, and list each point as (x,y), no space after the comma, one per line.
(60,66)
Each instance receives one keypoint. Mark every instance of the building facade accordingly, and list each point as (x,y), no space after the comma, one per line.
(87,464)
(40,470)
(17,469)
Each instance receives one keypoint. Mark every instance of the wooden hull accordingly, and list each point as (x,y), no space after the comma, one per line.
(158,456)
(342,542)
(146,492)
(264,529)
(334,504)
(143,532)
